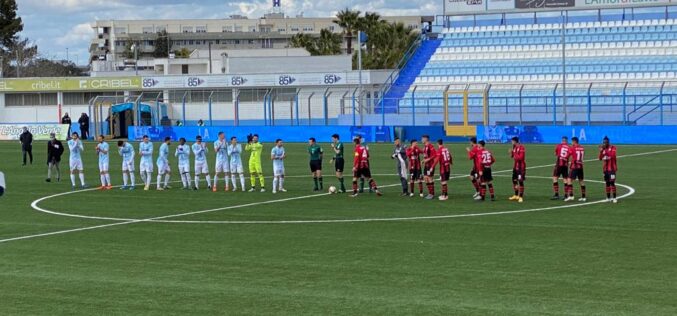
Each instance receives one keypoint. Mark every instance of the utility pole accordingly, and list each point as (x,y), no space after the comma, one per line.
(359,67)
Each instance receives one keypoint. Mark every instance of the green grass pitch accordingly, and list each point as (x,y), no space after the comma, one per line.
(597,258)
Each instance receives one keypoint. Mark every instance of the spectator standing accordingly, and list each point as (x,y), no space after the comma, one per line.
(67,120)
(84,126)
(26,139)
(54,151)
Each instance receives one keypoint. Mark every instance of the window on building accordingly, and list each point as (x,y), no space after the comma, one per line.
(251,28)
(308,28)
(227,29)
(184,69)
(29,99)
(160,28)
(120,30)
(187,29)
(281,29)
(251,41)
(201,29)
(191,42)
(331,28)
(147,30)
(294,28)
(238,28)
(237,41)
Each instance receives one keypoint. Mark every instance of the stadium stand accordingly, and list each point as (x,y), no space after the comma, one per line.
(618,70)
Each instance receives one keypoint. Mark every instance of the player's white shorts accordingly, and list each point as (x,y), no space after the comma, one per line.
(278,171)
(163,167)
(76,165)
(222,166)
(103,166)
(236,167)
(201,167)
(128,165)
(184,168)
(146,166)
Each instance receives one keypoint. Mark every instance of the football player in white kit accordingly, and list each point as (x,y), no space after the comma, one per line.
(201,166)
(146,163)
(222,165)
(183,154)
(163,164)
(102,149)
(277,155)
(75,160)
(126,150)
(235,154)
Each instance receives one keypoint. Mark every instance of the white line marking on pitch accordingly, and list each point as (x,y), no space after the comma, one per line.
(132,221)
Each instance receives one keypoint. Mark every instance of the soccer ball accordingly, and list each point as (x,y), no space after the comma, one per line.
(332,189)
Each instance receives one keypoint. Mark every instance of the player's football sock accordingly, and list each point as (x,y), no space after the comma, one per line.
(242,181)
(607,190)
(555,188)
(420,187)
(209,181)
(82,178)
(491,189)
(354,187)
(431,188)
(73,179)
(216,181)
(132,177)
(613,189)
(515,187)
(412,185)
(521,189)
(321,183)
(444,189)
(275,181)
(159,180)
(583,191)
(476,184)
(343,186)
(262,181)
(103,180)
(148,179)
(107,176)
(197,181)
(252,180)
(315,181)
(483,191)
(372,185)
(188,179)
(361,184)
(167,176)
(233,181)
(125,179)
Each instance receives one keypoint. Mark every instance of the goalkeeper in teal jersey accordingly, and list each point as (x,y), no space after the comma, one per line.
(163,164)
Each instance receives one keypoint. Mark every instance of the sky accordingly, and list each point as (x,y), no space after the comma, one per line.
(61,28)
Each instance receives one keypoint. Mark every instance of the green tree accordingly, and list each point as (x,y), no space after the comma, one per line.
(349,21)
(182,53)
(162,45)
(328,43)
(16,56)
(128,52)
(302,40)
(10,23)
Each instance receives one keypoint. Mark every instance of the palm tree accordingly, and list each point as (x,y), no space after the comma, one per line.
(370,25)
(349,21)
(328,43)
(302,40)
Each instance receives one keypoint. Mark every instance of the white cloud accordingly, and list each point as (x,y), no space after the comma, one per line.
(79,34)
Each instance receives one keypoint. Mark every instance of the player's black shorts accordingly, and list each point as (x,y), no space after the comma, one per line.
(609,176)
(519,174)
(444,176)
(428,172)
(338,164)
(560,171)
(486,175)
(415,174)
(315,165)
(474,174)
(576,174)
(362,172)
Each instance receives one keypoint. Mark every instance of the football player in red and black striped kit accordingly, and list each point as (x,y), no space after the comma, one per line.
(429,162)
(607,154)
(519,170)
(483,161)
(577,153)
(561,167)
(445,161)
(361,168)
(474,174)
(414,156)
